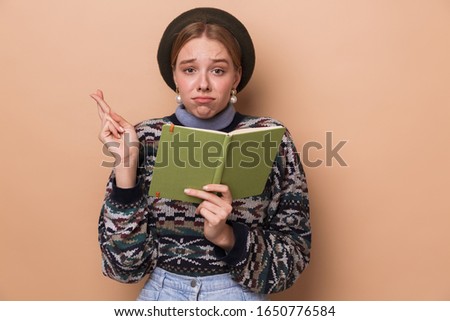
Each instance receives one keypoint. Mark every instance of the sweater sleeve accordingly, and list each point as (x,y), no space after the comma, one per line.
(271,257)
(126,235)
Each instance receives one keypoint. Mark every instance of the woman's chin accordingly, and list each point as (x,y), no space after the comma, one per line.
(203,112)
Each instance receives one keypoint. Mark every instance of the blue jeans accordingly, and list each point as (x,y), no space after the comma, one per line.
(167,286)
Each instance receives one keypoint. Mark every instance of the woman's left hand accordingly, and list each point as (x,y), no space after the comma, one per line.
(215,209)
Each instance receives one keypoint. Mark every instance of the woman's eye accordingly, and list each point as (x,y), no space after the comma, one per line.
(218,71)
(189,70)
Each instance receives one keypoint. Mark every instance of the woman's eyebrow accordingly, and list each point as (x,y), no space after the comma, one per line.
(220,60)
(189,61)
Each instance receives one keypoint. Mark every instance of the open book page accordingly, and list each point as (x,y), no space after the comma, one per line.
(189,157)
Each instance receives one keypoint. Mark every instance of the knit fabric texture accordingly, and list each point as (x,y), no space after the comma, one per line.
(138,232)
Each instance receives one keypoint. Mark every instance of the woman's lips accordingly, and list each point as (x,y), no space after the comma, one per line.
(203,99)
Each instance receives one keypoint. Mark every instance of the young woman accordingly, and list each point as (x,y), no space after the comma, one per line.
(223,248)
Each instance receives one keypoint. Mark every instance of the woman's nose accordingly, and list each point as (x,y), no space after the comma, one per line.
(203,82)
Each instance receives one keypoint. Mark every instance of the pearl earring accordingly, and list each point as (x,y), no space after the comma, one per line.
(178,97)
(233,98)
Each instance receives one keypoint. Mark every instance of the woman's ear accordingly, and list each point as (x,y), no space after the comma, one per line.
(174,77)
(238,77)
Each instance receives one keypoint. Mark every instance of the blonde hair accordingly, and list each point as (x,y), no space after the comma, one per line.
(211,31)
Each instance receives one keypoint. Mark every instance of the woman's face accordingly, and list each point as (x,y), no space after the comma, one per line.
(205,75)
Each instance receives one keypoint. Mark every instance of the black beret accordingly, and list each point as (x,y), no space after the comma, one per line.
(209,16)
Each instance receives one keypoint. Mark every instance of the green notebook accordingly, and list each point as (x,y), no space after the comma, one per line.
(191,158)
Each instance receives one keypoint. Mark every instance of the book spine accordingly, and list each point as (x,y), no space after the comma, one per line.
(223,159)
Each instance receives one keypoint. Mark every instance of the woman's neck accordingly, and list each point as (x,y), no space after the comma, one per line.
(218,122)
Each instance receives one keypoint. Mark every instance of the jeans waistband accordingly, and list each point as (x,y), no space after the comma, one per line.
(184,282)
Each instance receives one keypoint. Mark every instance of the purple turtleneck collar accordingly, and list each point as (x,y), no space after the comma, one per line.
(219,121)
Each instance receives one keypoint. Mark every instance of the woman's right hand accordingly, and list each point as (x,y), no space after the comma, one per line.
(120,139)
(116,133)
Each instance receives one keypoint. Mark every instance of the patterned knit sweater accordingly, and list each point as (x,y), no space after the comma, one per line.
(138,232)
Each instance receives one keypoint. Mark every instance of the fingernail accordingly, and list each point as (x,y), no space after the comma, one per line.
(205,187)
(187,190)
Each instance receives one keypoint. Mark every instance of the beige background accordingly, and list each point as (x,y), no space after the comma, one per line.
(375,74)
